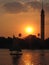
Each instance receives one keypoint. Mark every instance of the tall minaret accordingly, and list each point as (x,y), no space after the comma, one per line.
(42,22)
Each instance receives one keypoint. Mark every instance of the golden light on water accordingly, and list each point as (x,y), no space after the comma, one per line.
(26,59)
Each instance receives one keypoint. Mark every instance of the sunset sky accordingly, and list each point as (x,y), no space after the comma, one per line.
(17,15)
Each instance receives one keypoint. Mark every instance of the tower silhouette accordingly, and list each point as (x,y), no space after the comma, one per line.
(42,21)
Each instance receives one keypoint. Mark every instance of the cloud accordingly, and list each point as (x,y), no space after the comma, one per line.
(34,4)
(38,5)
(47,7)
(15,7)
(18,7)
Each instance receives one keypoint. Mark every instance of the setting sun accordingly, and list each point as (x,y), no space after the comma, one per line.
(29,30)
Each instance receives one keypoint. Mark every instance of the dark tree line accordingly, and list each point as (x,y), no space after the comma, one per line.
(29,42)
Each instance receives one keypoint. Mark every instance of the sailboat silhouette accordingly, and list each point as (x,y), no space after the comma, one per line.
(15,49)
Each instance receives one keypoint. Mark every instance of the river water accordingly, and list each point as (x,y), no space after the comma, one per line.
(28,57)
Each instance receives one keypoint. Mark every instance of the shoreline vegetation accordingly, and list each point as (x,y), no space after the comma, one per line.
(29,42)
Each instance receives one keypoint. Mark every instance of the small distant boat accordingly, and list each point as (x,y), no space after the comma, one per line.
(16,54)
(15,49)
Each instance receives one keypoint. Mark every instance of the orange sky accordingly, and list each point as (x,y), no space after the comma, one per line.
(15,23)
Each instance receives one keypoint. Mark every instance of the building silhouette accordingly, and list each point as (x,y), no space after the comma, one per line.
(42,21)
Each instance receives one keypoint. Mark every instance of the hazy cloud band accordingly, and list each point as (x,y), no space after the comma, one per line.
(17,7)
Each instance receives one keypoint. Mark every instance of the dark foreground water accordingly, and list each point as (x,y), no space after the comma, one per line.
(28,57)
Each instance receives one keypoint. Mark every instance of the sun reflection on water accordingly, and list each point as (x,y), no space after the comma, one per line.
(29,64)
(26,59)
